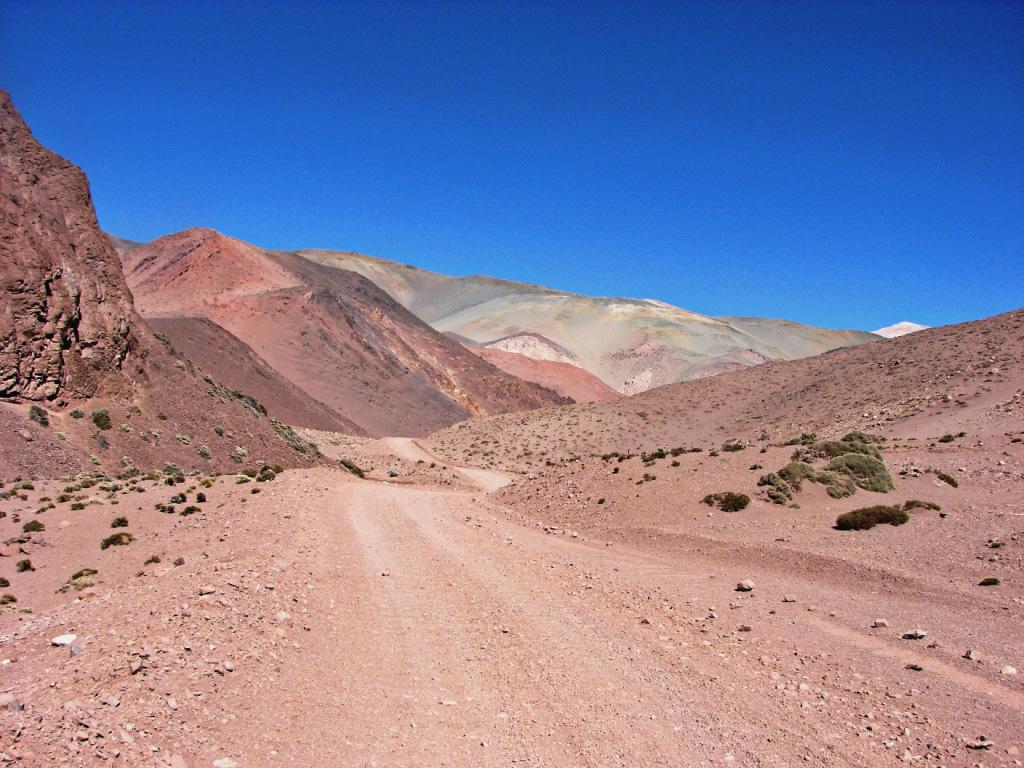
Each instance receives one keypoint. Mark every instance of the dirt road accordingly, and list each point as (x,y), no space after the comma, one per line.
(374,623)
(440,633)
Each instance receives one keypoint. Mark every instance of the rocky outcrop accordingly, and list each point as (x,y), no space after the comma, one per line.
(66,314)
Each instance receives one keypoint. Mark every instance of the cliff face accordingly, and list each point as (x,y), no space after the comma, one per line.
(71,342)
(66,314)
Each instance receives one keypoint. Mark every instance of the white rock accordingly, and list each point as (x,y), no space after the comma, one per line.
(224,762)
(1008,670)
(67,639)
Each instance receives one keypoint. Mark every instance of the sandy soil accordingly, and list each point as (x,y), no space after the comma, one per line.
(333,621)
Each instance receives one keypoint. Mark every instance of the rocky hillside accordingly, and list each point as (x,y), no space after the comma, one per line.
(83,379)
(331,333)
(632,345)
(922,384)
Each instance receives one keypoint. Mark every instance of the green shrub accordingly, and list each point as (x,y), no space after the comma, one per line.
(287,434)
(24,565)
(7,599)
(918,504)
(189,510)
(727,501)
(4,582)
(101,418)
(119,522)
(117,540)
(731,446)
(203,452)
(78,505)
(33,526)
(868,517)
(200,497)
(351,467)
(777,489)
(947,479)
(77,413)
(867,472)
(39,415)
(84,573)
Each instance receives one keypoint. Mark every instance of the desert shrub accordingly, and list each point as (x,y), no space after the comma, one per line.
(947,438)
(266,474)
(807,438)
(101,418)
(601,500)
(861,437)
(918,504)
(78,505)
(77,413)
(796,472)
(33,526)
(83,574)
(352,467)
(119,522)
(203,452)
(189,510)
(868,517)
(647,458)
(152,559)
(24,565)
(239,454)
(867,472)
(731,446)
(989,581)
(7,599)
(39,415)
(178,498)
(287,434)
(117,540)
(200,497)
(777,489)
(727,501)
(947,479)
(4,582)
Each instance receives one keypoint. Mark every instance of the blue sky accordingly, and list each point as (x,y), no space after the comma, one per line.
(843,164)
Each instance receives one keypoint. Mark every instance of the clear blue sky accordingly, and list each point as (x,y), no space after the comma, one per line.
(844,164)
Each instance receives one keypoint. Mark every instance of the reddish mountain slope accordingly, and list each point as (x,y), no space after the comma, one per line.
(332,333)
(71,340)
(921,383)
(567,380)
(217,352)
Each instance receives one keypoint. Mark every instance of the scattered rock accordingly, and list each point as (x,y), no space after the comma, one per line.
(745,586)
(915,634)
(788,599)
(879,624)
(61,640)
(1008,670)
(980,743)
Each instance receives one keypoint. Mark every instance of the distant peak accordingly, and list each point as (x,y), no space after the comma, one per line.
(901,328)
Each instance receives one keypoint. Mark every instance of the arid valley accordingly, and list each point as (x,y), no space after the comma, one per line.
(266,508)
